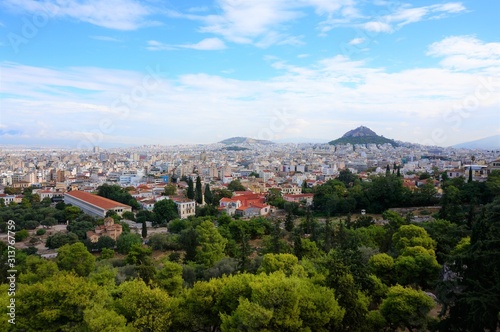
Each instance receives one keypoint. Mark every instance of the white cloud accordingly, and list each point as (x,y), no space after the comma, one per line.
(467,52)
(357,41)
(207,44)
(242,21)
(264,23)
(317,98)
(377,26)
(112,14)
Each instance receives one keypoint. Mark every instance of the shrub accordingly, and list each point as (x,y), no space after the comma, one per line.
(21,235)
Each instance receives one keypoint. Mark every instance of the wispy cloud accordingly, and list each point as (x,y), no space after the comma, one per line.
(406,14)
(112,14)
(105,38)
(207,44)
(198,9)
(10,132)
(154,45)
(392,16)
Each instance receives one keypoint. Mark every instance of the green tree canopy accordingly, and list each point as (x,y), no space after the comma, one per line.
(211,244)
(405,307)
(411,236)
(145,308)
(75,257)
(117,193)
(235,185)
(164,211)
(126,241)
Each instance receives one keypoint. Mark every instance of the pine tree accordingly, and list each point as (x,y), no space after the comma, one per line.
(398,174)
(198,194)
(190,189)
(387,170)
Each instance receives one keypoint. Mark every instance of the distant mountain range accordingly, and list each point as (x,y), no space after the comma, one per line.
(244,140)
(487,143)
(362,135)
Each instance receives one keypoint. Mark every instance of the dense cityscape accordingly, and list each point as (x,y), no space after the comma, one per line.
(349,230)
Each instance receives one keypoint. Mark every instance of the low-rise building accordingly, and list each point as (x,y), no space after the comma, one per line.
(185,207)
(94,205)
(108,229)
(299,198)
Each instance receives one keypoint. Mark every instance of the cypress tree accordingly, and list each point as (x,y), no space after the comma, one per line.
(190,189)
(289,222)
(144,232)
(198,195)
(208,194)
(304,186)
(297,244)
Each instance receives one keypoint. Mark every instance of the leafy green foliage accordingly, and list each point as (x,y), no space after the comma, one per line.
(145,309)
(21,235)
(211,244)
(235,185)
(164,211)
(471,293)
(60,239)
(116,193)
(126,241)
(411,236)
(76,258)
(170,190)
(405,307)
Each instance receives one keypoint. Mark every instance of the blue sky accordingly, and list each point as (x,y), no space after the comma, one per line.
(78,73)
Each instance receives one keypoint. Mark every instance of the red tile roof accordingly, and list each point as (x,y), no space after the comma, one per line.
(99,201)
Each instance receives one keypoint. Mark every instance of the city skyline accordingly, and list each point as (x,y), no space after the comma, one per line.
(80,74)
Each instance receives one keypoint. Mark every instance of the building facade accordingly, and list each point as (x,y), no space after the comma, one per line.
(94,205)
